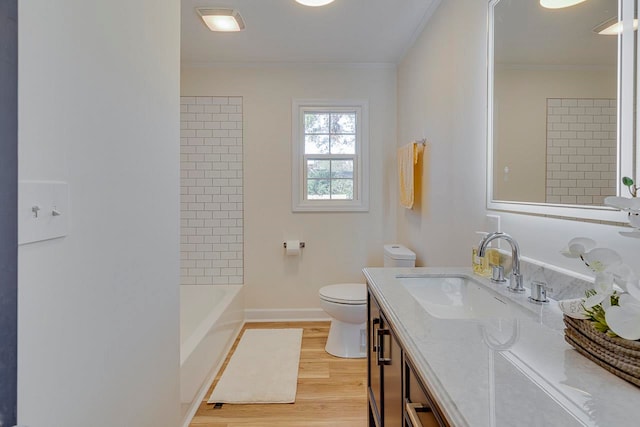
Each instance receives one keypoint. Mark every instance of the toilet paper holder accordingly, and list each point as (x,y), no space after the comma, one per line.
(301,245)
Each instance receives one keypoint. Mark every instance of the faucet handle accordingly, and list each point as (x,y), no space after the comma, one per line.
(498,274)
(539,292)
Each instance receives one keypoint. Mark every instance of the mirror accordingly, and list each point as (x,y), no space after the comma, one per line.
(554,126)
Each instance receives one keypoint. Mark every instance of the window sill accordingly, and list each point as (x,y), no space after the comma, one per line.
(330,207)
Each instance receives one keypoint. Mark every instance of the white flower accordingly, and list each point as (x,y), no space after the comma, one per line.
(622,273)
(624,319)
(631,206)
(600,259)
(578,247)
(604,290)
(623,203)
(633,287)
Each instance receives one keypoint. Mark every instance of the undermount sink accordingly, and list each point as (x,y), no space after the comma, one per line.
(458,297)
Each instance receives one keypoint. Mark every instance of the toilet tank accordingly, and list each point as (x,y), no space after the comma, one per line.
(396,255)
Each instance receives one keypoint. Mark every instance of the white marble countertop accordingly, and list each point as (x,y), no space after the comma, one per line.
(539,380)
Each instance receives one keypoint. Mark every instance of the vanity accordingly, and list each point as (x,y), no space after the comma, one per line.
(447,348)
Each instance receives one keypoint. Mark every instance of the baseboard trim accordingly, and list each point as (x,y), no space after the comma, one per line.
(285,315)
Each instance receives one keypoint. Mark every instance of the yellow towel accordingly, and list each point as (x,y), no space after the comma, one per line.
(407,158)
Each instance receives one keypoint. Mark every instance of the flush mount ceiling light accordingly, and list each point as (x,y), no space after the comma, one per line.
(218,19)
(612,27)
(314,3)
(559,4)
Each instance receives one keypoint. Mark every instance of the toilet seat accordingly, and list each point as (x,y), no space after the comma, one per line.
(345,293)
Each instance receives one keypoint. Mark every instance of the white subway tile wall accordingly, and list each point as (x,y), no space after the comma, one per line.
(581,150)
(211,222)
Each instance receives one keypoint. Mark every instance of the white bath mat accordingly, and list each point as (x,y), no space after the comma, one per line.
(263,368)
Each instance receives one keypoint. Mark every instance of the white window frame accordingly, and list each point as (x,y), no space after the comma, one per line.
(360,202)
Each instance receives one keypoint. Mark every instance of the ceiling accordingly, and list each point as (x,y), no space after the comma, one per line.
(346,31)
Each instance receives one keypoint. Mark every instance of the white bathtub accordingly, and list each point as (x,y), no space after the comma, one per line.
(211,317)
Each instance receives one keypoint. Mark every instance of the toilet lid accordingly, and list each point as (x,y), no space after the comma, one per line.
(345,293)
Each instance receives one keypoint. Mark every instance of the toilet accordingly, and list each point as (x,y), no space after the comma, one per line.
(346,303)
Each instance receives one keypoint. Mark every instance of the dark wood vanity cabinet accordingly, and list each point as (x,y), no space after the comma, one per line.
(419,409)
(397,398)
(385,370)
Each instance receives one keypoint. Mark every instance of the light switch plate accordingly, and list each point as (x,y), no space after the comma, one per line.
(43,210)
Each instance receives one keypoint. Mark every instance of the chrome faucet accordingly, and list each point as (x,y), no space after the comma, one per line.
(515,284)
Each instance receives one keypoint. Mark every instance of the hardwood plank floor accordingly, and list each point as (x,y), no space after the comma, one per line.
(332,392)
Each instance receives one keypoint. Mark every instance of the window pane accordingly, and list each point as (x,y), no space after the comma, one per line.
(342,189)
(316,122)
(343,123)
(327,164)
(318,169)
(343,144)
(342,169)
(318,189)
(316,144)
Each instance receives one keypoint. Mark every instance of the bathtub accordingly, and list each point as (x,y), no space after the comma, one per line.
(211,317)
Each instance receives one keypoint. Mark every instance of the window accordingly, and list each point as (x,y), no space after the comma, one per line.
(330,161)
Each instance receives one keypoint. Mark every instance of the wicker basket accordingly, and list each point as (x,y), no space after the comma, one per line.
(618,356)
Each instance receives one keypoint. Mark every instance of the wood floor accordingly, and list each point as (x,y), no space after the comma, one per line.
(331,391)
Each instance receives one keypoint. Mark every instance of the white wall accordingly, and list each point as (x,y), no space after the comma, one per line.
(442,94)
(338,245)
(442,97)
(98,309)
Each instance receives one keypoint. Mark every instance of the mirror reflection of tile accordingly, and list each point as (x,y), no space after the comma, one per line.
(581,150)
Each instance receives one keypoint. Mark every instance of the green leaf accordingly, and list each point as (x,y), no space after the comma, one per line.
(615,298)
(627,181)
(600,327)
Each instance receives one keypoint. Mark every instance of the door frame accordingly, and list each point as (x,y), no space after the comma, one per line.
(8,211)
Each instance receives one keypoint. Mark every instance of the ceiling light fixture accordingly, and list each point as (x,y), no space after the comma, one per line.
(612,27)
(314,3)
(559,4)
(221,19)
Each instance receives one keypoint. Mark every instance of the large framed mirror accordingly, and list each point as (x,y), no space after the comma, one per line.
(561,106)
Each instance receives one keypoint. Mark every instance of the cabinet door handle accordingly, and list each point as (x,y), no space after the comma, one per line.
(375,321)
(380,338)
(412,410)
